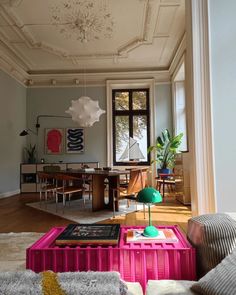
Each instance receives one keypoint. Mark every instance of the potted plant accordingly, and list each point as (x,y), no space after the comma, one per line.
(31,153)
(166,148)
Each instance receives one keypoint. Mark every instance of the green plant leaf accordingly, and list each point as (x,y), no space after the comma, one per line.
(166,148)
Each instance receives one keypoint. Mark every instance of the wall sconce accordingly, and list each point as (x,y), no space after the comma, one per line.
(37,125)
(84,111)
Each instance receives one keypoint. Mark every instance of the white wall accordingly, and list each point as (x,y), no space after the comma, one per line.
(163,111)
(13,120)
(223,73)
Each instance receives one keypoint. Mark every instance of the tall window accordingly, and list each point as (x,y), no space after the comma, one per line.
(180,113)
(131,131)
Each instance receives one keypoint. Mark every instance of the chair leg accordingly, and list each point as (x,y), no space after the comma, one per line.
(113,204)
(157,186)
(46,198)
(40,197)
(89,191)
(64,203)
(83,196)
(69,199)
(56,201)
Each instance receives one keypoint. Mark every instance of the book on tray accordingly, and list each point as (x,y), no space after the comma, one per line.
(76,234)
(166,235)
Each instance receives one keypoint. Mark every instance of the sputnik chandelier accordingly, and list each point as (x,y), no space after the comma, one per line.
(83,20)
(85,111)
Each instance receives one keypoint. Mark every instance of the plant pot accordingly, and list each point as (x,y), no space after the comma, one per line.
(164,171)
(31,160)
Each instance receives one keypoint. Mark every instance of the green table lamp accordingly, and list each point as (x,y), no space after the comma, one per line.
(148,196)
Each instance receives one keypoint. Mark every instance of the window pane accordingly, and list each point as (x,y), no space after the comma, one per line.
(121,101)
(122,137)
(139,100)
(180,114)
(140,135)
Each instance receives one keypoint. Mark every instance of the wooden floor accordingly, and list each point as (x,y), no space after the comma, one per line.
(16,216)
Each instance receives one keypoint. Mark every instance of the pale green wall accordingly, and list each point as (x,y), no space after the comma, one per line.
(13,120)
(54,101)
(223,73)
(163,102)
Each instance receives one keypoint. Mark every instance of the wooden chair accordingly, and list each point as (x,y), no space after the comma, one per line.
(137,182)
(47,186)
(69,186)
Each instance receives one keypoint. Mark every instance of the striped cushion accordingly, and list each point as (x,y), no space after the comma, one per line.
(221,280)
(214,237)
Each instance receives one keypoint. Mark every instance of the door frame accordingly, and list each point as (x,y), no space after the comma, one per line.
(199,107)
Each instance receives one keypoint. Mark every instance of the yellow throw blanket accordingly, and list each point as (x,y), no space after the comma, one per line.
(50,284)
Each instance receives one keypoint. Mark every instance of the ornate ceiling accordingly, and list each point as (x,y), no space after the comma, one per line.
(49,39)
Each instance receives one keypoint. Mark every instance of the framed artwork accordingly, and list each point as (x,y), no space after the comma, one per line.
(74,140)
(54,138)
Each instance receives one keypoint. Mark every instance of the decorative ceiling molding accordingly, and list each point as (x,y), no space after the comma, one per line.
(11,3)
(18,55)
(178,55)
(151,11)
(11,68)
(23,48)
(83,20)
(150,20)
(146,37)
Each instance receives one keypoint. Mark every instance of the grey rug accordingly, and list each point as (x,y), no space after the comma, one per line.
(13,249)
(77,213)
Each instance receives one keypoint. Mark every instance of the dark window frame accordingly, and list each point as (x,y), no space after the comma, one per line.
(130,113)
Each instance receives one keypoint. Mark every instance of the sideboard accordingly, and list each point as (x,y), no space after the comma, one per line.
(28,173)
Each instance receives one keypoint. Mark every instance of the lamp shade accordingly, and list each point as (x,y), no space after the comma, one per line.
(85,111)
(24,132)
(149,195)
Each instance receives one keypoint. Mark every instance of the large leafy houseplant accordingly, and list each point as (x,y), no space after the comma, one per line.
(31,153)
(166,148)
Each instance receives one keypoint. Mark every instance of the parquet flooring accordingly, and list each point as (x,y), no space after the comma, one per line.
(16,216)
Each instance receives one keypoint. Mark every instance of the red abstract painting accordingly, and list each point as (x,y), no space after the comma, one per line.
(54,141)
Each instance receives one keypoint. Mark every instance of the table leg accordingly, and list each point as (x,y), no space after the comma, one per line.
(98,192)
(114,183)
(163,187)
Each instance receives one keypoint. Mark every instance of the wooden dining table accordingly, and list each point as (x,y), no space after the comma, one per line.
(98,185)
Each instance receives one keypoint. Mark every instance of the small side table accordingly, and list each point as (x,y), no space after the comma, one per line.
(163,179)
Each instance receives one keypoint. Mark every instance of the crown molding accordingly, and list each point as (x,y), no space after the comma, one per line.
(12,69)
(75,79)
(93,79)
